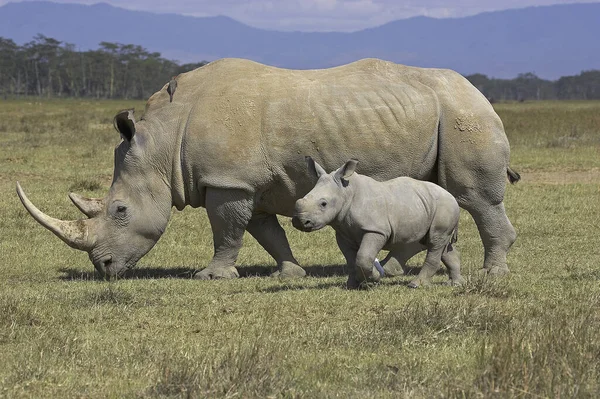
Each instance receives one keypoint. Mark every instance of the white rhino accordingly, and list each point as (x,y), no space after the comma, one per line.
(233,141)
(402,215)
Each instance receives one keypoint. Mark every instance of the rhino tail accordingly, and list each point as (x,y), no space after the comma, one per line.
(513,176)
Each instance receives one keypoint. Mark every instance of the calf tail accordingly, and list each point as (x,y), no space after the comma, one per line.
(513,176)
(453,240)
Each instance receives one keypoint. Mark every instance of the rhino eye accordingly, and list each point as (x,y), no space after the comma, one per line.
(323,203)
(121,208)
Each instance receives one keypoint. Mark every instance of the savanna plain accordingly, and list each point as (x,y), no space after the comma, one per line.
(65,332)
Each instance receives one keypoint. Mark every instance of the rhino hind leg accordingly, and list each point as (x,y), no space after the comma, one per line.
(497,234)
(394,263)
(451,259)
(265,228)
(430,267)
(437,241)
(229,211)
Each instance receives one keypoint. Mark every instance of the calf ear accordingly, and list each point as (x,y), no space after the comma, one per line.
(314,168)
(124,123)
(347,170)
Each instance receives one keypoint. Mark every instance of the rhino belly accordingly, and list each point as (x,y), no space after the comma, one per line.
(389,134)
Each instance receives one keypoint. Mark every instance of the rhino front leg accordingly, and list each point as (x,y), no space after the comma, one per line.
(229,211)
(360,262)
(265,228)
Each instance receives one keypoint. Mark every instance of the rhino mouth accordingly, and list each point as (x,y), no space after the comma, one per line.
(306,225)
(108,266)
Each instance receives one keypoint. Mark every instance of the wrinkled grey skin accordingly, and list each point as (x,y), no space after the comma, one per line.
(233,139)
(402,215)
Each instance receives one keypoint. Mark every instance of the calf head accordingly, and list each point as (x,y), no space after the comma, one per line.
(125,225)
(327,200)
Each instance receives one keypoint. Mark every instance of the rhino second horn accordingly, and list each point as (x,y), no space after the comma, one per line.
(74,233)
(90,207)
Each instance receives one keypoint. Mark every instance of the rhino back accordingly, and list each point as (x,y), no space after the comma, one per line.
(246,125)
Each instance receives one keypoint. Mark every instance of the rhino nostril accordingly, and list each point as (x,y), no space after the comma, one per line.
(306,222)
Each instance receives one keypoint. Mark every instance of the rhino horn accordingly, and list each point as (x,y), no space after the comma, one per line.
(74,233)
(90,207)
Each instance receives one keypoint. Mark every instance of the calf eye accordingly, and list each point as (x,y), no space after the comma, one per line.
(323,204)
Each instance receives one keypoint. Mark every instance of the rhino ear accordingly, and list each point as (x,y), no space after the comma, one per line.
(347,170)
(314,168)
(124,123)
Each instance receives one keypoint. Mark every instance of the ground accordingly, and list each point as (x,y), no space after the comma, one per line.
(157,333)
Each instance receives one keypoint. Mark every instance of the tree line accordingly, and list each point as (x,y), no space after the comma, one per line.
(46,67)
(528,86)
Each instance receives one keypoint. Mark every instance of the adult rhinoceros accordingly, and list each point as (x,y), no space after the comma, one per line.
(234,140)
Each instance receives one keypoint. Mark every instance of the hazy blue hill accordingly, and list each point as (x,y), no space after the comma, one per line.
(550,41)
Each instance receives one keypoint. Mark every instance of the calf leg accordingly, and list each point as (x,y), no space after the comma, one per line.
(451,260)
(439,236)
(430,266)
(265,228)
(349,250)
(370,246)
(394,263)
(229,211)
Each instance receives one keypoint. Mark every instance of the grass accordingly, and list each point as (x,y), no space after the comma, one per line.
(159,334)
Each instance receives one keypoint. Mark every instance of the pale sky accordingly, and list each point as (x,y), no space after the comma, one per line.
(321,15)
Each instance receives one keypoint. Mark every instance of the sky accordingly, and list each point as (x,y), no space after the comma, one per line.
(320,15)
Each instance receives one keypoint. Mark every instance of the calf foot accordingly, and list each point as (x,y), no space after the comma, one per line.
(213,273)
(455,282)
(419,282)
(289,270)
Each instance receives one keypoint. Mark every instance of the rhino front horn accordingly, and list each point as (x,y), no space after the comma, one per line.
(74,233)
(90,207)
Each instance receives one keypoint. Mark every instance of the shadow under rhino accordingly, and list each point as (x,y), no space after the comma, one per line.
(184,272)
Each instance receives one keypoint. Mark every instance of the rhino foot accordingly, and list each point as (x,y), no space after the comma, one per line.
(213,273)
(289,270)
(455,282)
(418,282)
(495,271)
(358,280)
(353,284)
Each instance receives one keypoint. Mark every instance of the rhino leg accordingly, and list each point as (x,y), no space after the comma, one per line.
(360,262)
(394,263)
(438,238)
(229,212)
(430,266)
(451,259)
(265,228)
(497,234)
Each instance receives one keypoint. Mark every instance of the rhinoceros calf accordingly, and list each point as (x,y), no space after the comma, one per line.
(233,141)
(400,215)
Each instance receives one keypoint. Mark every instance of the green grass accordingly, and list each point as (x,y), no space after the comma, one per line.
(160,334)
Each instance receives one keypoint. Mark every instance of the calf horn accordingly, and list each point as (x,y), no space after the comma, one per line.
(90,207)
(73,233)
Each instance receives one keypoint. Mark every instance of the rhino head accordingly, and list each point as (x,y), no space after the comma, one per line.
(125,225)
(324,203)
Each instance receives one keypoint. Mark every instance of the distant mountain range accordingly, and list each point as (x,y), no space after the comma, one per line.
(550,41)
